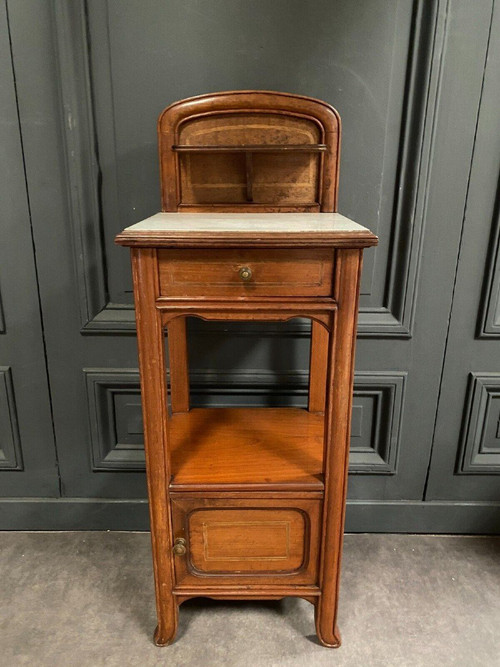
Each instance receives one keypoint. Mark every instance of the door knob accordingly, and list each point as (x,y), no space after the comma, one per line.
(179,547)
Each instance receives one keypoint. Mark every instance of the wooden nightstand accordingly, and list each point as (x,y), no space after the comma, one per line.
(247,503)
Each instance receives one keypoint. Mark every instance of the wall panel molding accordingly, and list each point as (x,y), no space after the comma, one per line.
(114,408)
(2,318)
(376,422)
(81,151)
(115,417)
(480,443)
(489,316)
(10,441)
(392,318)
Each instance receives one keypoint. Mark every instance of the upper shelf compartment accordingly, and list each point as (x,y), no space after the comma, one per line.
(249,151)
(249,159)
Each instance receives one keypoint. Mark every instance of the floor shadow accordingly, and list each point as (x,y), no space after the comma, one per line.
(297,613)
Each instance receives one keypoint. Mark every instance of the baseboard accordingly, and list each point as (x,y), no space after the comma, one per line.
(452,517)
(471,518)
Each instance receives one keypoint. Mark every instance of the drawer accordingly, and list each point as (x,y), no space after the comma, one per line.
(247,541)
(230,273)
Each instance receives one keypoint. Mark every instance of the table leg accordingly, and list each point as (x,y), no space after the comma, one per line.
(150,337)
(337,437)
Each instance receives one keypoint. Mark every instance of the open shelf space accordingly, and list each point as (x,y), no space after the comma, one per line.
(246,448)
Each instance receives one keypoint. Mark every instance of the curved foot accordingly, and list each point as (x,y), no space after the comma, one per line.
(162,637)
(328,639)
(333,642)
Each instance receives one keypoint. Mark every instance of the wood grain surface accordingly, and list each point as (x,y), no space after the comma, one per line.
(246,448)
(303,272)
(247,542)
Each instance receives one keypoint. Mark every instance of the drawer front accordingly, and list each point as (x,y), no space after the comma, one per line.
(229,273)
(261,541)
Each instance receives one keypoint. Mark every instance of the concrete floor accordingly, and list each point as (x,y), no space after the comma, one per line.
(70,599)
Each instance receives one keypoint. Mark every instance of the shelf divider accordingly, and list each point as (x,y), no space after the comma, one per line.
(249,148)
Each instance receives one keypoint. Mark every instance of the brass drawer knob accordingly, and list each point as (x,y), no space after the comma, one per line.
(245,273)
(179,547)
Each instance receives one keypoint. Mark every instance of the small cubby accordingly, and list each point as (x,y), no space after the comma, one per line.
(285,174)
(250,159)
(260,437)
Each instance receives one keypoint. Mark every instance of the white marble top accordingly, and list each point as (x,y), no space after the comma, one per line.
(247,222)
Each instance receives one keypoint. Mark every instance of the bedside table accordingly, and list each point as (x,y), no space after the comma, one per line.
(246,503)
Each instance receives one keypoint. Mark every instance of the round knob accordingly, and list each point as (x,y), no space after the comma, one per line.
(179,547)
(245,273)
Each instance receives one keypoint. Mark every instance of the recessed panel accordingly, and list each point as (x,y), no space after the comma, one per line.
(376,422)
(480,452)
(247,540)
(115,414)
(10,446)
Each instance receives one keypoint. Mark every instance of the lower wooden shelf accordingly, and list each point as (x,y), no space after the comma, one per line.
(246,449)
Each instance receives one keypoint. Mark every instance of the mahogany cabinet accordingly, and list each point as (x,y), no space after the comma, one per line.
(247,503)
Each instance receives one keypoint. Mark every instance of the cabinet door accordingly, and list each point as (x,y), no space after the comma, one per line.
(247,541)
(27,452)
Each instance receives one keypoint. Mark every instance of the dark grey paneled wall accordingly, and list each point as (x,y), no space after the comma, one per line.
(414,83)
(27,451)
(465,462)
